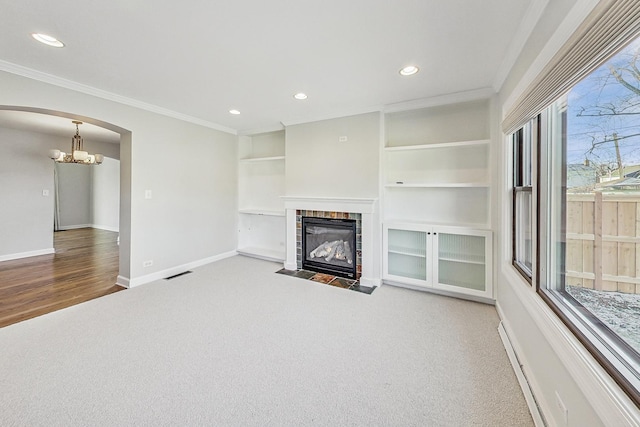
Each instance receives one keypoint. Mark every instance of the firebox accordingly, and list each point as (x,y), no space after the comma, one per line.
(329,246)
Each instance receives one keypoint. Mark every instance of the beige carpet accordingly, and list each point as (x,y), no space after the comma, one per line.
(233,343)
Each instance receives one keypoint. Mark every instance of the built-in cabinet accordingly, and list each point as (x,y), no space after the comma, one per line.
(451,259)
(436,198)
(261,180)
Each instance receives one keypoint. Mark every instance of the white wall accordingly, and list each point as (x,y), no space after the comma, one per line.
(552,359)
(319,165)
(26,216)
(74,195)
(191,169)
(107,149)
(89,196)
(105,195)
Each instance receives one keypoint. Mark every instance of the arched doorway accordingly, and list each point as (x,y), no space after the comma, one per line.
(22,249)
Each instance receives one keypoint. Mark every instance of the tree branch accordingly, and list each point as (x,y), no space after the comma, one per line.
(622,81)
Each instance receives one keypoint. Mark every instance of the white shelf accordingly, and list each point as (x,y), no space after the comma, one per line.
(439,185)
(261,212)
(461,258)
(438,145)
(263,253)
(261,182)
(414,252)
(261,159)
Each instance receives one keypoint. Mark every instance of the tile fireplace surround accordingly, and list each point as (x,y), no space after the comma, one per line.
(365,207)
(357,249)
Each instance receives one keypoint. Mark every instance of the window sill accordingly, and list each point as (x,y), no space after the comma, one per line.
(604,395)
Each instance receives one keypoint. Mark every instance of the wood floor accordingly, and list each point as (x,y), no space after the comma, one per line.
(84,267)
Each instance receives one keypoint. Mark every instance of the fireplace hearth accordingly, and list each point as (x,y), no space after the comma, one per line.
(329,246)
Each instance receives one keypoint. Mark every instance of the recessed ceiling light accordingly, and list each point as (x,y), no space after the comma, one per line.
(300,96)
(409,70)
(236,112)
(48,40)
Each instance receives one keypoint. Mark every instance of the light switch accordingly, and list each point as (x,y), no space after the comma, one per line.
(45,193)
(148,194)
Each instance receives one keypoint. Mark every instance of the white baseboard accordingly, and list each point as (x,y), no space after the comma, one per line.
(370,282)
(74,227)
(122,281)
(538,419)
(19,255)
(442,292)
(105,227)
(98,226)
(158,275)
(292,267)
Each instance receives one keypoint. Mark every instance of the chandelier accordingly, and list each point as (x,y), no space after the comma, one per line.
(77,155)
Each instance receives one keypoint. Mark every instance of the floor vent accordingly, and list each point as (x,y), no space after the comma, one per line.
(177,275)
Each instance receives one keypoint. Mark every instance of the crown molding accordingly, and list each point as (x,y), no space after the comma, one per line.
(30,73)
(257,131)
(450,98)
(335,115)
(527,25)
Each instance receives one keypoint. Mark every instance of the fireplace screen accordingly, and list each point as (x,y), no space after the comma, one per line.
(329,246)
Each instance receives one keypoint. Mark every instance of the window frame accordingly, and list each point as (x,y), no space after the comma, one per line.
(523,184)
(609,26)
(519,186)
(608,349)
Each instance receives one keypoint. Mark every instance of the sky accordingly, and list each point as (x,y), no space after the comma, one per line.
(599,94)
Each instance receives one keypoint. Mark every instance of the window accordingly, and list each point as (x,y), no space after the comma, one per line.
(587,235)
(522,198)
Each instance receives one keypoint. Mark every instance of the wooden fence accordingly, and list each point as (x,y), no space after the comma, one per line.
(603,241)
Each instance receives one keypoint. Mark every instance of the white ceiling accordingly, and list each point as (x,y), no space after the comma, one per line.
(202,58)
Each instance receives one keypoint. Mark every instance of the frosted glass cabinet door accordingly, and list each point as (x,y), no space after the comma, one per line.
(451,259)
(462,262)
(407,254)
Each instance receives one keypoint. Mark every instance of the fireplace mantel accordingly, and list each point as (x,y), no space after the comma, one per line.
(337,204)
(365,207)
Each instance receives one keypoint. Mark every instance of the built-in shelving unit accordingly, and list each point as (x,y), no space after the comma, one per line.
(261,180)
(436,191)
(436,165)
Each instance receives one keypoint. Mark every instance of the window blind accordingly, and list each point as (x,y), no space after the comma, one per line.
(608,28)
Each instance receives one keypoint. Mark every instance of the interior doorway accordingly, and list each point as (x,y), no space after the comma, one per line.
(58,123)
(88,260)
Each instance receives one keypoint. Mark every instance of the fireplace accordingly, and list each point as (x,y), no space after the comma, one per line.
(329,246)
(363,211)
